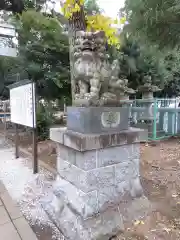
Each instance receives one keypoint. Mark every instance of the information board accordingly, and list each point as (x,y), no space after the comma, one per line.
(22,105)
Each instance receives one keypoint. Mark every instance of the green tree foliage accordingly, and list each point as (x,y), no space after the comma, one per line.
(156,23)
(45,119)
(18,6)
(92,7)
(7,66)
(154,20)
(43,49)
(137,62)
(44,52)
(172,61)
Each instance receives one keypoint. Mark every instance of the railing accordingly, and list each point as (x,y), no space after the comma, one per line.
(160,117)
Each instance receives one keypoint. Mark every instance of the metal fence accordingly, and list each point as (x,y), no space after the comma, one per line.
(159,117)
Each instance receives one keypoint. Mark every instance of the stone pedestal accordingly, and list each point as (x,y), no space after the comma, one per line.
(147,95)
(149,117)
(98,187)
(97,119)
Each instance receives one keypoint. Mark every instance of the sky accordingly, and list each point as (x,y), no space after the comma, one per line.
(110,7)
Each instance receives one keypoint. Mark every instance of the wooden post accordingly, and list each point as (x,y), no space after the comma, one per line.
(35,155)
(5,124)
(16,141)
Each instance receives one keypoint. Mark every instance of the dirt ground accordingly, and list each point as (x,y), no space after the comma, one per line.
(160,173)
(160,176)
(46,149)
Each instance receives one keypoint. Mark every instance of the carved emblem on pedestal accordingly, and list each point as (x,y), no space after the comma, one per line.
(110,119)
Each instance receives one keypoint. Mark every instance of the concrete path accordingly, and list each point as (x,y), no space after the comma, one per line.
(27,190)
(13,225)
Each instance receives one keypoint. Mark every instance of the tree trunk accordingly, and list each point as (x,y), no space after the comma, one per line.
(76,23)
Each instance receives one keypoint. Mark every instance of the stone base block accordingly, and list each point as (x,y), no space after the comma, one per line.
(90,120)
(88,204)
(101,226)
(98,187)
(87,142)
(143,136)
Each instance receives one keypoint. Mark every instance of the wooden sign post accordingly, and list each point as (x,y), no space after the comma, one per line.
(23,112)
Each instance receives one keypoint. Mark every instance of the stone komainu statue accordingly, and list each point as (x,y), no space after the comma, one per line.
(94,81)
(91,67)
(97,80)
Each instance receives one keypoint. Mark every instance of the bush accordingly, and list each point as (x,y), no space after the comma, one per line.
(45,119)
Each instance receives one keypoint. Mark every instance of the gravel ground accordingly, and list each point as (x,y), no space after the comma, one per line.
(160,173)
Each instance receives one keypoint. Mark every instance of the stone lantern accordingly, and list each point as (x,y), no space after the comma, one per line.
(149,115)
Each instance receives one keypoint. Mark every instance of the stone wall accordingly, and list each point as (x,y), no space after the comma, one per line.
(100,178)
